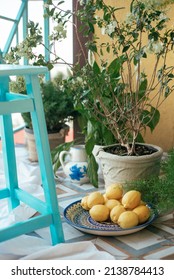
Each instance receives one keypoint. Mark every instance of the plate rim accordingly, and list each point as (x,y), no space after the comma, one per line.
(141,226)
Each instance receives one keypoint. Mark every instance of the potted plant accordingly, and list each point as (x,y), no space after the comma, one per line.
(55,101)
(95,134)
(130,75)
(123,94)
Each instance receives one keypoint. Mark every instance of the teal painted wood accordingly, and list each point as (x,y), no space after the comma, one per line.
(4,193)
(24,26)
(15,106)
(44,156)
(25,227)
(51,216)
(20,70)
(13,96)
(9,157)
(15,26)
(32,201)
(46,39)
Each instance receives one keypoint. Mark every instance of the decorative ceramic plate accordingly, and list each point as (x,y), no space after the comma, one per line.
(80,219)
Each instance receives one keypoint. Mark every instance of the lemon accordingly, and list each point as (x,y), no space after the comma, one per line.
(99,213)
(105,198)
(95,198)
(131,199)
(110,203)
(128,219)
(142,202)
(84,203)
(143,213)
(116,212)
(114,191)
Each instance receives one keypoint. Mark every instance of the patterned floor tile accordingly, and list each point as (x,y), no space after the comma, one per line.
(134,240)
(110,248)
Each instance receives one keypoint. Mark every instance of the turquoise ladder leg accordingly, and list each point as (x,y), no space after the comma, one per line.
(44,157)
(9,158)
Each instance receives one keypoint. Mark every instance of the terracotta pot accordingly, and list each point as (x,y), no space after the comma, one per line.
(55,139)
(126,169)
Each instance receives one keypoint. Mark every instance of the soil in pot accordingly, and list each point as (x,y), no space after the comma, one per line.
(140,150)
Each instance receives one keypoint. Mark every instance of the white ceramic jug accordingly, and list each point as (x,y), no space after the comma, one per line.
(75,165)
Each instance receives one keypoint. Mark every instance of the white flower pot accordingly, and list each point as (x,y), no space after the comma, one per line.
(126,169)
(54,140)
(95,153)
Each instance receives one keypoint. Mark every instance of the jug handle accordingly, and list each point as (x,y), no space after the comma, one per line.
(61,157)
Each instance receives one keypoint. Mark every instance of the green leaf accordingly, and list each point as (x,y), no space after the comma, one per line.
(156,117)
(126,48)
(167,91)
(92,170)
(131,5)
(140,138)
(135,34)
(108,49)
(114,67)
(56,152)
(96,68)
(61,2)
(135,60)
(151,118)
(89,145)
(153,36)
(142,88)
(91,27)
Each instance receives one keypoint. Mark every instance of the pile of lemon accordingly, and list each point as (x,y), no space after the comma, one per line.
(125,209)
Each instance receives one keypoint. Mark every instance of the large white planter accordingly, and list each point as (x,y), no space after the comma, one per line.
(95,153)
(125,169)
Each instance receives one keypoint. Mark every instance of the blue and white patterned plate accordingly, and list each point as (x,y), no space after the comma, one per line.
(80,219)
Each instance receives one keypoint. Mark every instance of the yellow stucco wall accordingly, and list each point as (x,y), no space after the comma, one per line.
(163,135)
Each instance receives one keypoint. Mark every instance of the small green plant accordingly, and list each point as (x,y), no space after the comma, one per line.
(58,105)
(57,102)
(159,191)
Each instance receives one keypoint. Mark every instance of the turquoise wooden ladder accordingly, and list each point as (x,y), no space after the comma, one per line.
(32,102)
(22,18)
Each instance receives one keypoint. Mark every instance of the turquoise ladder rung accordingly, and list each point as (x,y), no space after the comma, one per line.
(12,105)
(25,226)
(39,205)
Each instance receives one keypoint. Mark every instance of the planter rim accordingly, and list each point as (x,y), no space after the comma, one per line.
(158,154)
(65,129)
